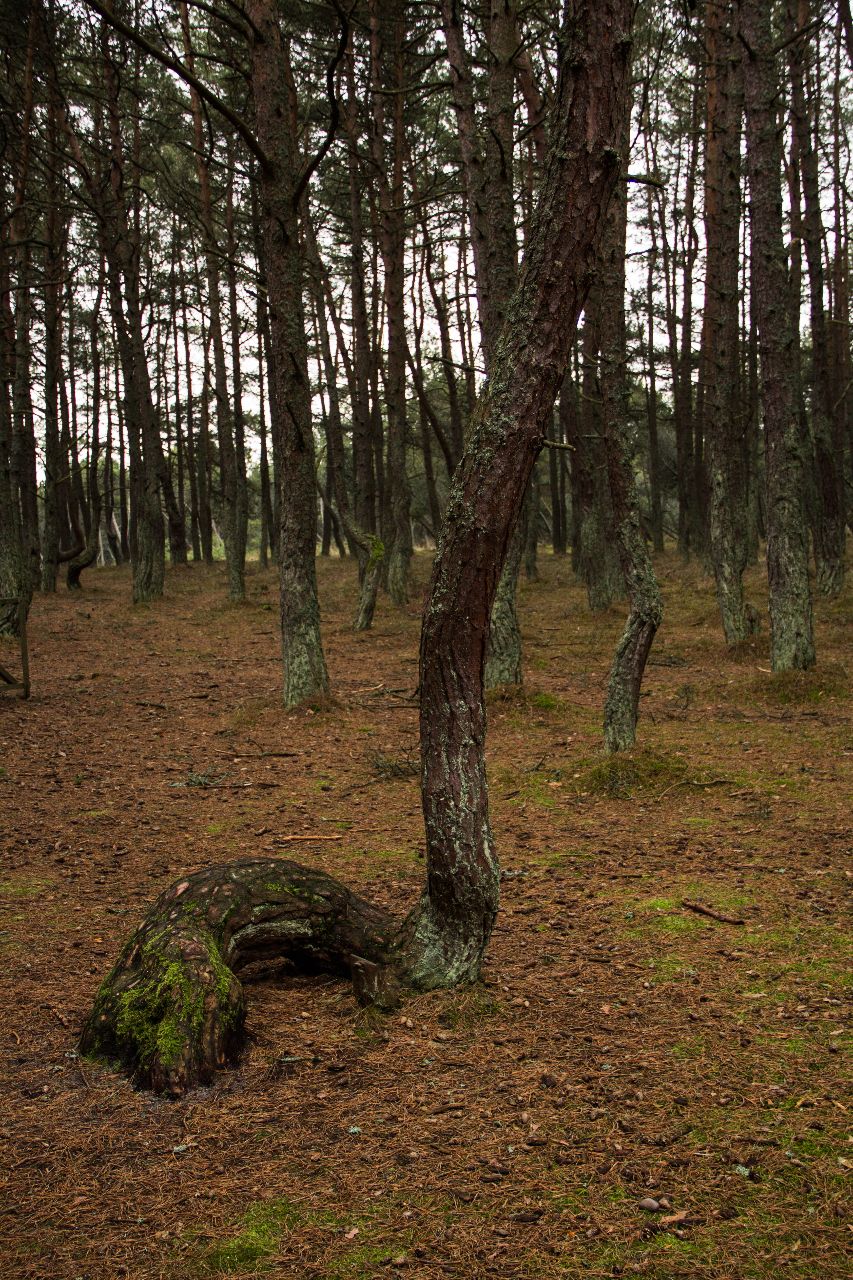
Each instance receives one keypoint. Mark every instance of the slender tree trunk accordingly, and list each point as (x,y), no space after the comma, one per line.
(655,496)
(364,479)
(233,492)
(241,501)
(305,675)
(23,476)
(688,429)
(14,578)
(369,549)
(558,503)
(204,469)
(388,64)
(829,520)
(622,703)
(723,413)
(791,637)
(597,561)
(89,552)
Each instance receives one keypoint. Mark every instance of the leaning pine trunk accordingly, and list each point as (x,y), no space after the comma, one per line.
(446,935)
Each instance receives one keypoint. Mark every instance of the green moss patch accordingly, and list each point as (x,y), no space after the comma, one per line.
(802,688)
(22,887)
(256,1243)
(628,772)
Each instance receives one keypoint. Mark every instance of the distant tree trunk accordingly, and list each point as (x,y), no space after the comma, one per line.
(791,637)
(655,497)
(233,514)
(204,478)
(241,501)
(597,560)
(534,515)
(622,703)
(388,82)
(52,375)
(171,1008)
(89,552)
(839,315)
(364,479)
(688,424)
(14,580)
(22,448)
(723,409)
(305,674)
(265,502)
(368,548)
(829,522)
(558,492)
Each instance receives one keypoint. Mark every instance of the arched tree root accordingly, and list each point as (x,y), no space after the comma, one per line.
(172,1009)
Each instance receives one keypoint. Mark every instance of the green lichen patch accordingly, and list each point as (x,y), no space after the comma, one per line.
(152,1016)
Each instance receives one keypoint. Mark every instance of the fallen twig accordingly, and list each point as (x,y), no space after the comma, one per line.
(307,836)
(702,910)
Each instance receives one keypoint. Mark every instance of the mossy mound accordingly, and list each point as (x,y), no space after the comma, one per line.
(803,688)
(627,772)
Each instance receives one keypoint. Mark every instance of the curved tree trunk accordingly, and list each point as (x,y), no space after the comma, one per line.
(172,1008)
(444,939)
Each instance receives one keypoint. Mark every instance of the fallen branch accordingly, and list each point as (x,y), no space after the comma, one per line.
(702,910)
(307,836)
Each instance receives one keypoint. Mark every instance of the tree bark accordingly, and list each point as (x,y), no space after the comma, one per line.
(387,44)
(597,561)
(233,492)
(829,519)
(791,637)
(89,553)
(621,707)
(723,410)
(445,936)
(304,665)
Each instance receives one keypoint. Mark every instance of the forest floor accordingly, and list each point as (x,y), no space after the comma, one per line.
(623,1045)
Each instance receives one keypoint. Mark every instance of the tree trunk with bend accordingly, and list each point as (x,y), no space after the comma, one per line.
(171,1010)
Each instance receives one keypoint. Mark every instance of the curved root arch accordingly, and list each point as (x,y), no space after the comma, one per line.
(172,1009)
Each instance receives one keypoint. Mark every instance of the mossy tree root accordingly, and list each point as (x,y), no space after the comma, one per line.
(172,1009)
